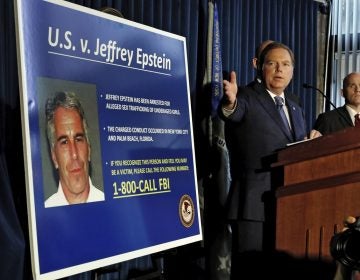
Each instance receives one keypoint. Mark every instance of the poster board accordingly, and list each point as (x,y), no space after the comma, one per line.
(132,82)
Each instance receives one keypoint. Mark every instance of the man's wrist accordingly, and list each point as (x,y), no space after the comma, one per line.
(228,108)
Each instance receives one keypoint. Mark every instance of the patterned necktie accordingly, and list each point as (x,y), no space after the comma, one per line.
(357,120)
(279,101)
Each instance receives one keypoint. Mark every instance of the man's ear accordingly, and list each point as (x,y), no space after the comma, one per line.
(342,93)
(53,157)
(89,154)
(255,62)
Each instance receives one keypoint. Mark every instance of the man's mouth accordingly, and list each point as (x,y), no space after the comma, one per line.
(75,170)
(278,78)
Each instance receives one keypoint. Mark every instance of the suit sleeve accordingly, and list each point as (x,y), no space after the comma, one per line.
(321,124)
(239,110)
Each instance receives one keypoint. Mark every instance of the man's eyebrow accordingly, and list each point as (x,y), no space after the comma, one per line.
(64,137)
(80,134)
(61,137)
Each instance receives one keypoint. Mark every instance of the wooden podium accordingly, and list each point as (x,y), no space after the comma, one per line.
(321,186)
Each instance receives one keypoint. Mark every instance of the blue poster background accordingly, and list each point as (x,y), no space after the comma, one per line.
(75,44)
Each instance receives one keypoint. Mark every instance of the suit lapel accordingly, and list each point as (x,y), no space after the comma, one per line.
(268,103)
(346,120)
(297,120)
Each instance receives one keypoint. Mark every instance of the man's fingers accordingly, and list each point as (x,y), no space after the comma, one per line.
(314,134)
(349,220)
(233,77)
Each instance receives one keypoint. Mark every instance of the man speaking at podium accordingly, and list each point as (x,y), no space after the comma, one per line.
(265,125)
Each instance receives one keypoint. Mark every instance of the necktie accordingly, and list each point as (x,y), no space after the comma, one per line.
(279,101)
(357,120)
(356,274)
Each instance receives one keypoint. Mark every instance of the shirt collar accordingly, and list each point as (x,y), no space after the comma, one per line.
(351,112)
(62,195)
(273,95)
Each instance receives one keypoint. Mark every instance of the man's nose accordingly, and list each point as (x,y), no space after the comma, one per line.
(74,150)
(278,67)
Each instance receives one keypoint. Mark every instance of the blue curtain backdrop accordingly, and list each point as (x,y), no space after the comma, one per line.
(243,25)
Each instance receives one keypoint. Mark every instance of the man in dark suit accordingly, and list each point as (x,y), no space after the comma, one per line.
(263,131)
(232,132)
(342,117)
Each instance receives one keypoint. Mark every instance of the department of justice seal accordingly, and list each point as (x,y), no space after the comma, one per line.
(186,211)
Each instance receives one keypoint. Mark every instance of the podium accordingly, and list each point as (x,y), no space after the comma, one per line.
(320,186)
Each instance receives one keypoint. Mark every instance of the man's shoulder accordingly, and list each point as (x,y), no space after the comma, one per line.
(96,194)
(252,87)
(293,97)
(55,200)
(50,200)
(332,121)
(253,83)
(334,113)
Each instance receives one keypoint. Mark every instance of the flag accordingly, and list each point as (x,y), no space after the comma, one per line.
(217,233)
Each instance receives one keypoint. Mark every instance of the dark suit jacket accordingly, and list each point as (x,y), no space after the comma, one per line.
(332,121)
(260,132)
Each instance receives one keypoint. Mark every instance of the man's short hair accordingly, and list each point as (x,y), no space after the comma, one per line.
(261,47)
(347,78)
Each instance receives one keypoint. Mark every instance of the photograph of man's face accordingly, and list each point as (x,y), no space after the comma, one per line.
(70,143)
(71,153)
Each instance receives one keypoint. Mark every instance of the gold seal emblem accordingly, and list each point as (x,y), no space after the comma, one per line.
(186,211)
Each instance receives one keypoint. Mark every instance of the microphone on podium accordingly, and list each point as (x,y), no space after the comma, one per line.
(305,85)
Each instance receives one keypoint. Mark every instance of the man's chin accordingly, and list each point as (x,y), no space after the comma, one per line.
(78,186)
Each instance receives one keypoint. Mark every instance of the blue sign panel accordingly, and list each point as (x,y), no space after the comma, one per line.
(108,138)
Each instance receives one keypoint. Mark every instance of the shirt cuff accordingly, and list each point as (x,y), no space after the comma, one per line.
(228,112)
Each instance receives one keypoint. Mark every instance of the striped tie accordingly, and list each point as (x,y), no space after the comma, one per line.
(279,101)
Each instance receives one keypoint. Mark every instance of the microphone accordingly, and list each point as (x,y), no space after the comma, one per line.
(305,85)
